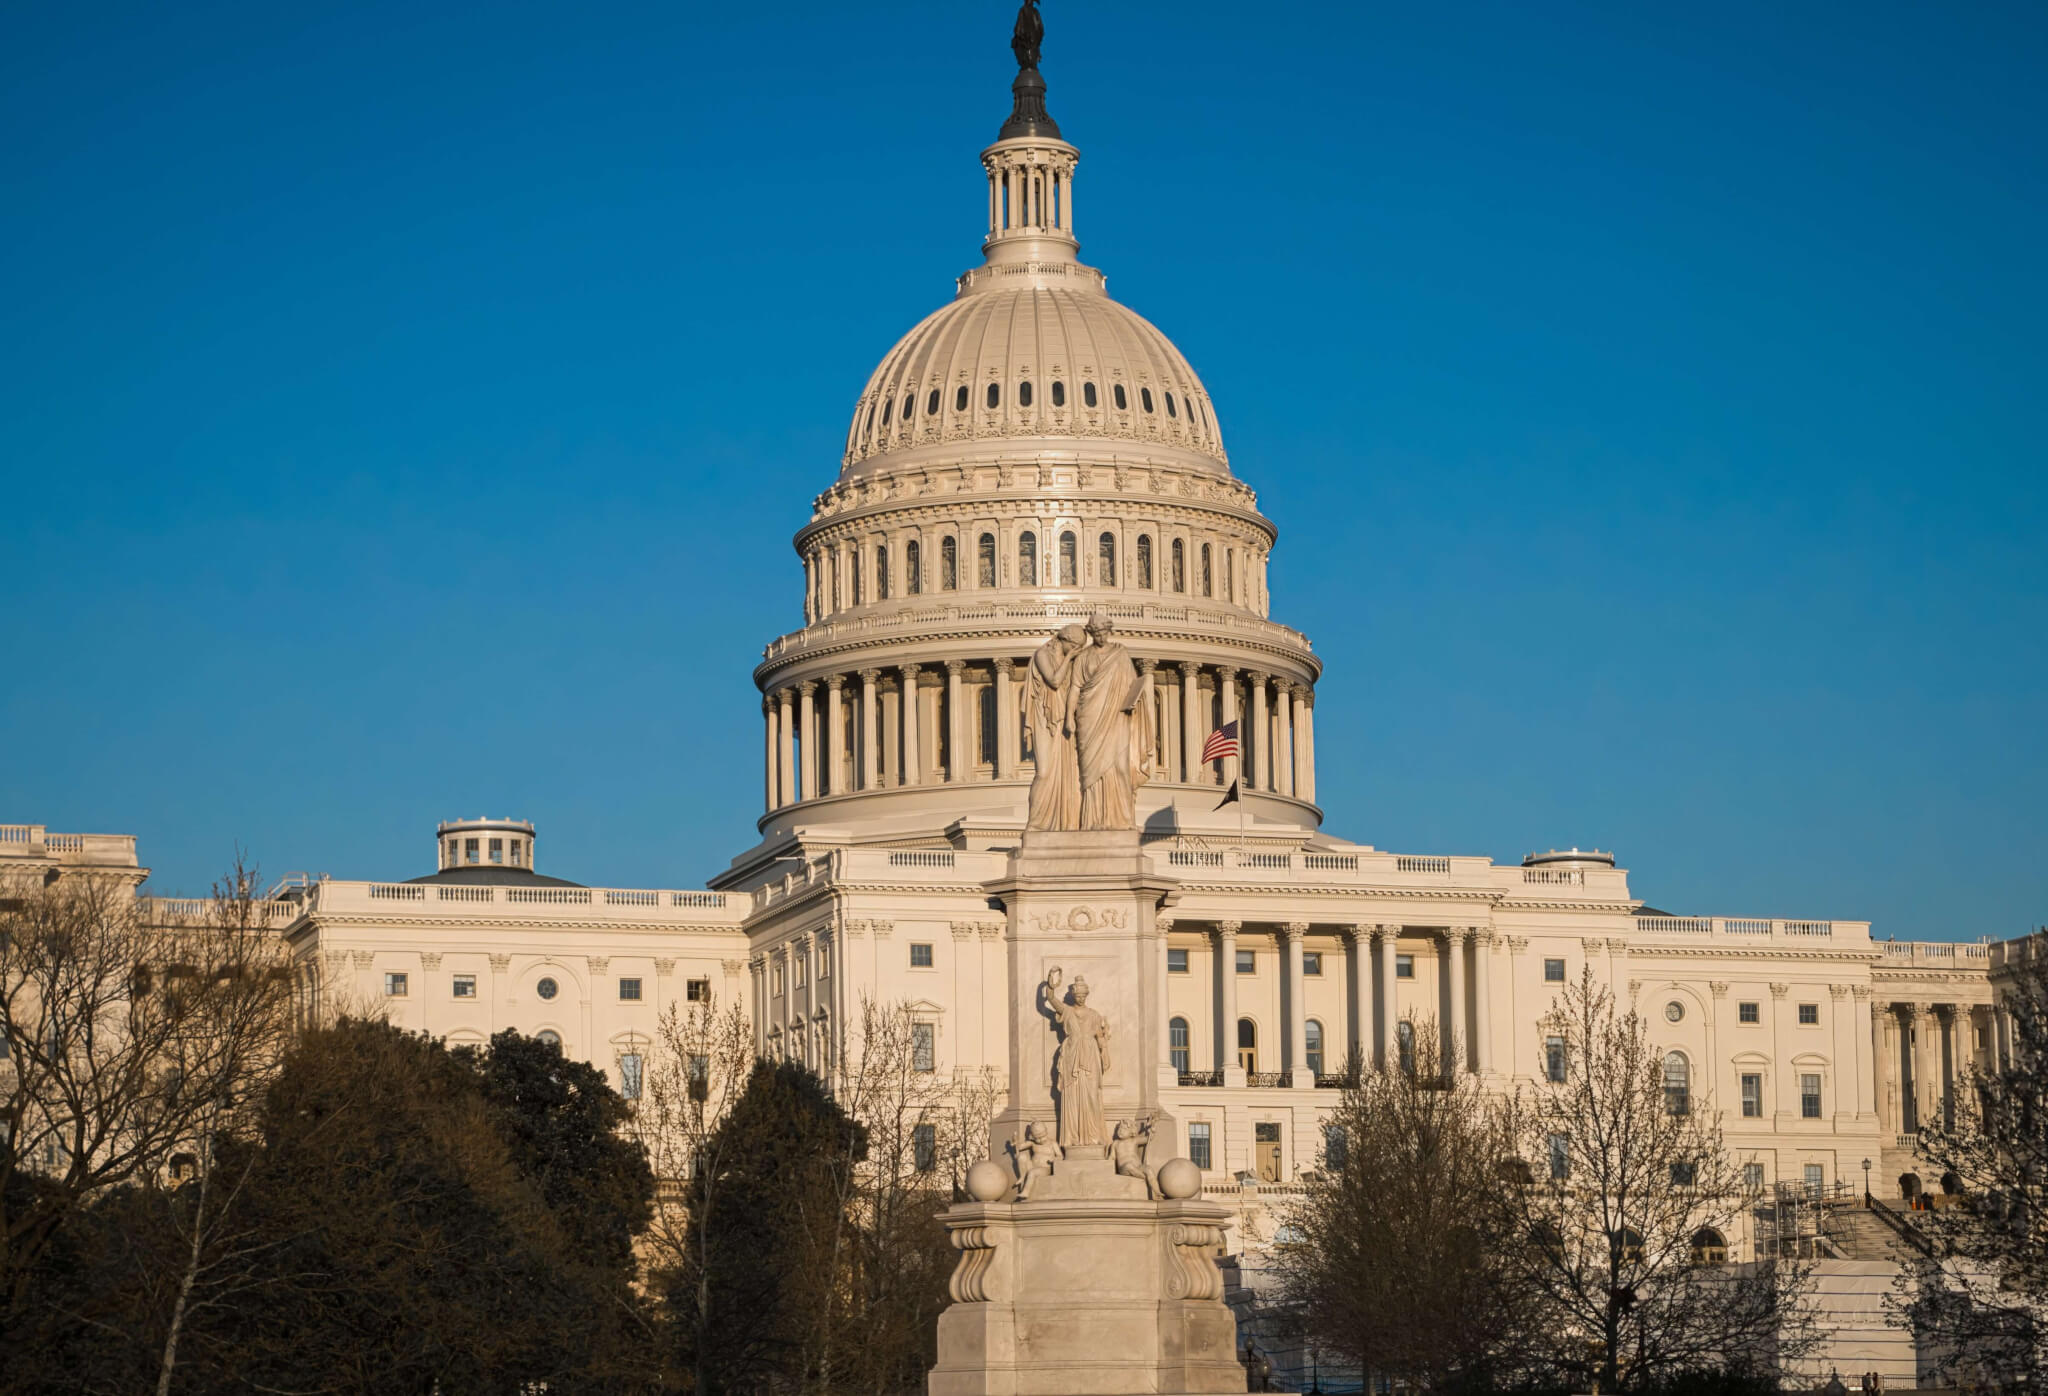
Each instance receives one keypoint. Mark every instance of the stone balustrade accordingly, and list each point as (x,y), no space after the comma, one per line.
(693,907)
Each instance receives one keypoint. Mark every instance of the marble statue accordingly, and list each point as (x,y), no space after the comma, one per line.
(1080,1064)
(1132,1140)
(1048,705)
(1035,1158)
(1109,732)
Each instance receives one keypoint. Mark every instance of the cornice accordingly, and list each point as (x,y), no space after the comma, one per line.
(1037,502)
(374,921)
(844,654)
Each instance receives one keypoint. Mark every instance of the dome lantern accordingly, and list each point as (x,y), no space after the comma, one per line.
(1030,169)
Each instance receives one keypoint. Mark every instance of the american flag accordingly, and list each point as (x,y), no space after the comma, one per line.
(1222,742)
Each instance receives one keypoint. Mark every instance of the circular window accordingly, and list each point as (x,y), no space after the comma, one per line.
(547,988)
(1674,1010)
(549,1036)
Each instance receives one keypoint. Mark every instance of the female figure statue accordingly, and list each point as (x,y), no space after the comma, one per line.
(1049,706)
(1081,1063)
(1110,735)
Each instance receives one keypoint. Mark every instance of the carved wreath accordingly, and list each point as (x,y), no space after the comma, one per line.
(1082,919)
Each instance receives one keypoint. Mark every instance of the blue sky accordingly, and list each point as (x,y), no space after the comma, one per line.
(405,411)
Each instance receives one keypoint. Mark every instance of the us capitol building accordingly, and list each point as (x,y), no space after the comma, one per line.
(1028,455)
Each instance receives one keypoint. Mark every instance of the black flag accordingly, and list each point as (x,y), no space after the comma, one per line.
(1229,797)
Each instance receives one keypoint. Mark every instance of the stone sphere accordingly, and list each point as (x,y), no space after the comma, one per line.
(1180,1178)
(987,1181)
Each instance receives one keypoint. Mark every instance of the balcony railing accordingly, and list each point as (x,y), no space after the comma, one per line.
(1740,928)
(1265,1078)
(1201,1078)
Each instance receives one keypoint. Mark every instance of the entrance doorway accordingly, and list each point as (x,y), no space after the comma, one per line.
(1266,1152)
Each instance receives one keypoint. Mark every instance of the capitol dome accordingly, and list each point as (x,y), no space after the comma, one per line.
(1038,352)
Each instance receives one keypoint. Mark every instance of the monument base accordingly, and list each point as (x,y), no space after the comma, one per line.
(1087,1289)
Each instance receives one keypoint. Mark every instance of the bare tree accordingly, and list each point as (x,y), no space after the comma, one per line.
(1397,1258)
(1980,1301)
(1627,1217)
(128,1045)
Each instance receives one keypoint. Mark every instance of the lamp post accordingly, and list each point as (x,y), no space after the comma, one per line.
(1866,1182)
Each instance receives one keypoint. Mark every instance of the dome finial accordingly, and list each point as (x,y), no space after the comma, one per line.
(1028,116)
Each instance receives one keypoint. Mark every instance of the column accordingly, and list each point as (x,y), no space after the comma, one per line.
(1226,680)
(1946,1044)
(1226,1003)
(1296,1015)
(1006,721)
(956,729)
(870,729)
(757,966)
(835,735)
(1283,738)
(1304,778)
(1360,1047)
(768,801)
(785,751)
(1305,736)
(1482,1007)
(1192,728)
(913,759)
(808,702)
(1148,704)
(1169,744)
(1915,1089)
(1259,744)
(1389,1009)
(1457,1035)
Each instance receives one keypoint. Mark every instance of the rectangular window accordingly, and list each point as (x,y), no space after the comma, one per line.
(1553,1058)
(803,972)
(924,1147)
(1748,1013)
(1311,962)
(1560,1156)
(1809,1015)
(394,986)
(1198,1143)
(699,990)
(518,851)
(1752,1096)
(700,1070)
(1404,967)
(1753,1177)
(924,1049)
(920,955)
(465,986)
(1553,971)
(497,850)
(1247,962)
(629,1076)
(1335,1152)
(1176,962)
(629,991)
(1816,1177)
(469,850)
(778,980)
(1683,1174)
(1809,1096)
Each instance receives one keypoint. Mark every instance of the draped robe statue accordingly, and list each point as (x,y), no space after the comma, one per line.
(1049,695)
(1111,737)
(1080,1064)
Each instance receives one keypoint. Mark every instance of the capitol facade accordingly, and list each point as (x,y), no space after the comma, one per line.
(1028,456)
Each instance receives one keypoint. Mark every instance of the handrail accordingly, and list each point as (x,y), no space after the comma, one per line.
(1900,1227)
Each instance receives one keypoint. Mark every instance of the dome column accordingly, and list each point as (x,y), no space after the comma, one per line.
(1190,720)
(785,752)
(913,758)
(1283,738)
(835,734)
(956,746)
(1006,720)
(870,729)
(1259,744)
(1226,679)
(768,724)
(808,715)
(1304,750)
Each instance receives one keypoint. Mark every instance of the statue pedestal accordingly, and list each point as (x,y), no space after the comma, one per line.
(1087,1289)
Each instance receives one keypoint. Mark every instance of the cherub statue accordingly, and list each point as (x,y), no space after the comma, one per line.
(1129,1150)
(1035,1157)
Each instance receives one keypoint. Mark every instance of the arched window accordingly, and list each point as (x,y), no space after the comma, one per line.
(1247,1044)
(1180,566)
(1709,1247)
(1024,393)
(1145,561)
(1145,396)
(1208,576)
(881,572)
(1404,1043)
(985,561)
(1027,560)
(1169,406)
(960,399)
(1059,393)
(549,1036)
(1088,394)
(1123,404)
(1677,1084)
(1070,561)
(1177,1040)
(1312,1033)
(931,404)
(995,396)
(913,568)
(1105,560)
(949,564)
